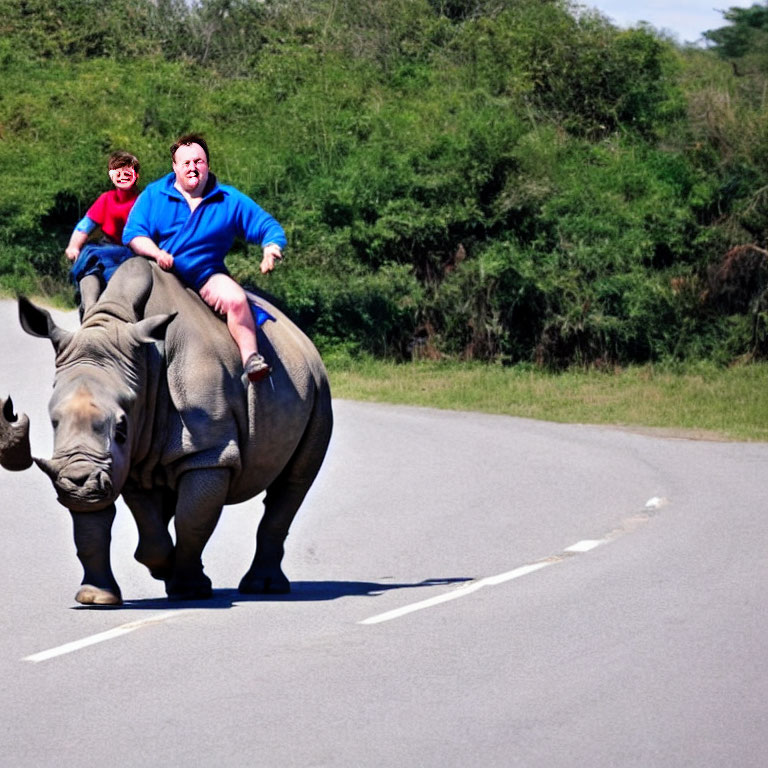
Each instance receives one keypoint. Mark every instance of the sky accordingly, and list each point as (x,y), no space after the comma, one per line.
(686,19)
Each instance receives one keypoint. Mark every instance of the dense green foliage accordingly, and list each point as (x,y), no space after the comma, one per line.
(510,180)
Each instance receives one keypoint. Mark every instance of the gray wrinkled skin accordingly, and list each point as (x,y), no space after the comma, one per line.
(148,403)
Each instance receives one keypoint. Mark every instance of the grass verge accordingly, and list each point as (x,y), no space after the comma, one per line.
(699,401)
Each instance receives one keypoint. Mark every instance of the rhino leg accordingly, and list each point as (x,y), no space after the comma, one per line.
(152,511)
(90,290)
(265,576)
(93,534)
(201,496)
(283,499)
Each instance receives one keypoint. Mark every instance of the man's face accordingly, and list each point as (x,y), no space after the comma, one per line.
(191,168)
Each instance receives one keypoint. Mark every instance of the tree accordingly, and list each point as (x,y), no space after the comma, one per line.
(745,40)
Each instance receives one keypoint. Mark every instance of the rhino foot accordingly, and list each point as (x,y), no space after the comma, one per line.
(189,589)
(90,595)
(160,564)
(161,573)
(265,582)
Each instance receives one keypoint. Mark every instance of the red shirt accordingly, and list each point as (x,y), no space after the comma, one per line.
(111,209)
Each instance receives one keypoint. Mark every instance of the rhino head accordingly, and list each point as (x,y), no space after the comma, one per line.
(95,401)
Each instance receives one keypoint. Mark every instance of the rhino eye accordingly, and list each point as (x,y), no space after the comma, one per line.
(121,431)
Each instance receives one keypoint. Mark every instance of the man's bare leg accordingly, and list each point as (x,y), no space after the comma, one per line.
(225,295)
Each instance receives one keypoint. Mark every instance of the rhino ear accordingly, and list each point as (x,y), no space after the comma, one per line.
(38,322)
(152,328)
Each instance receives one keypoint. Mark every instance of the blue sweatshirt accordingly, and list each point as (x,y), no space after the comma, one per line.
(199,240)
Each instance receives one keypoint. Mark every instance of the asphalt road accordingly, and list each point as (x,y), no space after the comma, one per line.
(469,590)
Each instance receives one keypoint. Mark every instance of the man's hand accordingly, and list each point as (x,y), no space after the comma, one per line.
(72,252)
(271,254)
(146,246)
(164,259)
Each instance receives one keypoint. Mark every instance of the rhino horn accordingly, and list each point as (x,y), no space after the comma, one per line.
(49,467)
(15,453)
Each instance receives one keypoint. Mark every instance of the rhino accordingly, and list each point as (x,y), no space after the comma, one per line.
(148,404)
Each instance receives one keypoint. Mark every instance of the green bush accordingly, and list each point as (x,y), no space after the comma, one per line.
(515,180)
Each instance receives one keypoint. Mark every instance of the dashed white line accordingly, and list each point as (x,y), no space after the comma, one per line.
(457,593)
(101,637)
(580,547)
(585,545)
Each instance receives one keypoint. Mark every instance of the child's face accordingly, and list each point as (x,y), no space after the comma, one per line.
(123,178)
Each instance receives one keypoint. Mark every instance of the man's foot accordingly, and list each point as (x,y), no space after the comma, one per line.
(255,369)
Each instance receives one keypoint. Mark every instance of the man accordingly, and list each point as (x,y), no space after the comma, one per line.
(187,222)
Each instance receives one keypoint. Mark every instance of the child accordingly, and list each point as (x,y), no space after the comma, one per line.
(95,263)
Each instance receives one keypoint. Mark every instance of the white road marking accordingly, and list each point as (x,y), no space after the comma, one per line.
(101,637)
(629,525)
(585,545)
(580,547)
(460,592)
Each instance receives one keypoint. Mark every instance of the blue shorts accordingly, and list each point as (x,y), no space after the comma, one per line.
(100,259)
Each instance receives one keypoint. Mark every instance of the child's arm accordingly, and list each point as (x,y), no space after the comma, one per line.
(79,237)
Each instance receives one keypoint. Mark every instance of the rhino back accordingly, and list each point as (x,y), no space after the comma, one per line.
(204,415)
